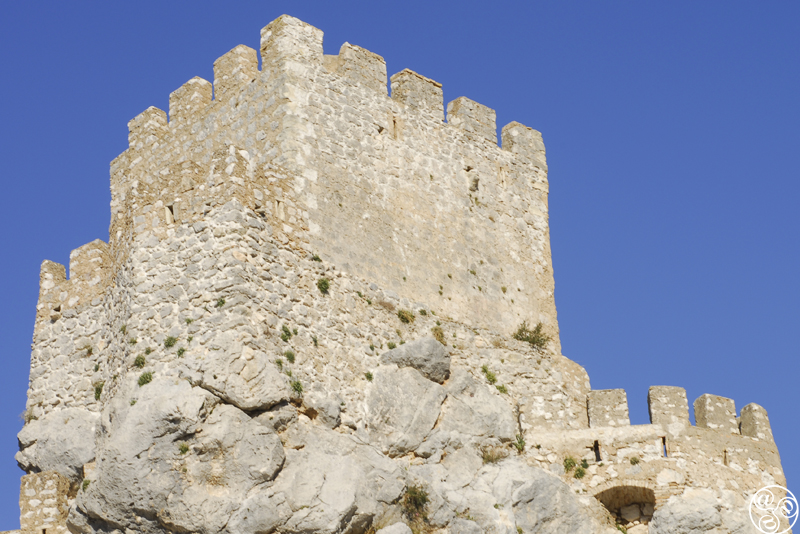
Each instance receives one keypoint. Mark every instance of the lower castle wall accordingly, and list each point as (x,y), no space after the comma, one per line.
(666,459)
(65,361)
(179,272)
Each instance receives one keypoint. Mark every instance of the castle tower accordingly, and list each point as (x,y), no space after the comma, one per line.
(276,237)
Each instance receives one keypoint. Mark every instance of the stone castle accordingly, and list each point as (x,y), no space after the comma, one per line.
(305,317)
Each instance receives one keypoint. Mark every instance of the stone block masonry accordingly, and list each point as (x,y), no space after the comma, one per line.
(43,503)
(608,407)
(716,413)
(668,405)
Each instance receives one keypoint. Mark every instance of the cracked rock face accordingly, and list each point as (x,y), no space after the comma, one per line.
(703,510)
(426,355)
(61,441)
(401,408)
(182,459)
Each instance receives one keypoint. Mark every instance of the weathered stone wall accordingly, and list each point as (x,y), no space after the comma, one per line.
(234,303)
(44,503)
(432,209)
(70,331)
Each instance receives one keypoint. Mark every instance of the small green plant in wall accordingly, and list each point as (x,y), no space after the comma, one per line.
(323,284)
(536,338)
(414,502)
(286,334)
(170,342)
(220,303)
(183,448)
(297,387)
(289,356)
(98,390)
(406,316)
(438,334)
(145,378)
(569,463)
(139,361)
(519,443)
(490,376)
(368,376)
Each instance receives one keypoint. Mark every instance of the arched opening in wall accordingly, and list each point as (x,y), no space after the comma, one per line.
(631,507)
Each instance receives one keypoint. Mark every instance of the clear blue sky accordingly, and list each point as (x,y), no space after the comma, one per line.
(672,134)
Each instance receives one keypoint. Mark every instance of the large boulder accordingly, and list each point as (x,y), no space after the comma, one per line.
(239,374)
(473,412)
(701,510)
(177,460)
(544,504)
(333,483)
(426,355)
(468,496)
(402,407)
(62,441)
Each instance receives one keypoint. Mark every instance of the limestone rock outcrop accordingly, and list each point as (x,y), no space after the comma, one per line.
(426,355)
(62,441)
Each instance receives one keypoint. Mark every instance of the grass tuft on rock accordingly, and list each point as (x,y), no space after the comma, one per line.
(405,316)
(145,378)
(536,338)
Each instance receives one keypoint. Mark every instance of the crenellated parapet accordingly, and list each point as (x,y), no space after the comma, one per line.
(607,407)
(652,462)
(234,71)
(323,136)
(89,277)
(668,407)
(188,100)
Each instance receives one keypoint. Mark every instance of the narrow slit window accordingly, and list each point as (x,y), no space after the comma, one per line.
(664,446)
(725,457)
(596,450)
(169,214)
